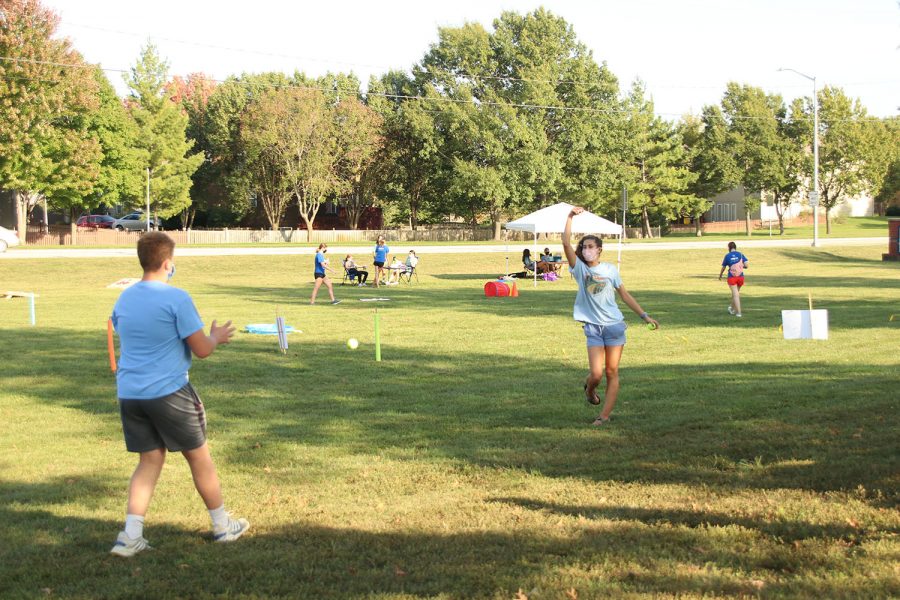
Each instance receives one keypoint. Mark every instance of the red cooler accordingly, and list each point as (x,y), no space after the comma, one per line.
(496,288)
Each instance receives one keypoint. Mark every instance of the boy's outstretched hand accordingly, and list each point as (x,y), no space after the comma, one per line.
(577,210)
(221,333)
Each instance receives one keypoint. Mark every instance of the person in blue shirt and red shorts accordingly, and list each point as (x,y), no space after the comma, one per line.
(735,262)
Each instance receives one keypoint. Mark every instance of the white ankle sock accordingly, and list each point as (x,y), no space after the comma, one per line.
(219,516)
(134,526)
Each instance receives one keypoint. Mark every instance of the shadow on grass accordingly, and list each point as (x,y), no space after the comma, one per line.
(823,256)
(552,300)
(731,425)
(788,531)
(45,554)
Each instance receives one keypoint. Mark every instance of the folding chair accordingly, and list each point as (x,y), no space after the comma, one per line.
(348,277)
(409,273)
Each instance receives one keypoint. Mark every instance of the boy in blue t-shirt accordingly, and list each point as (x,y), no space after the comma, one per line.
(159,328)
(735,262)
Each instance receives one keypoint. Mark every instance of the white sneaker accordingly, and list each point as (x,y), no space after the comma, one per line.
(730,310)
(738,315)
(235,529)
(126,546)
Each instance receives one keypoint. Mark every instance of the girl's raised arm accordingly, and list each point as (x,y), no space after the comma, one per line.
(567,234)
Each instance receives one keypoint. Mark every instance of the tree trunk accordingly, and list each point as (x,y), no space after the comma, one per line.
(413,215)
(780,213)
(645,223)
(827,220)
(73,229)
(747,222)
(497,229)
(698,226)
(21,215)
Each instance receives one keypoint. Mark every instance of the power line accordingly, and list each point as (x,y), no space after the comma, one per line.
(459,73)
(402,97)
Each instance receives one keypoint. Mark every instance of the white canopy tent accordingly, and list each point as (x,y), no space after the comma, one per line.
(552,219)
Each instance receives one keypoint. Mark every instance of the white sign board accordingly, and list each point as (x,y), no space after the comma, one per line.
(123,283)
(805,324)
(813,198)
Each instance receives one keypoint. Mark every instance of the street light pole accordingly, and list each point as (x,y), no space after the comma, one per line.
(814,193)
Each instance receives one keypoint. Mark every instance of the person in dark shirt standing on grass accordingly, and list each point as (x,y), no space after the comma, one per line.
(159,328)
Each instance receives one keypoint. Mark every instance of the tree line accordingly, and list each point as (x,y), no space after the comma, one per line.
(489,124)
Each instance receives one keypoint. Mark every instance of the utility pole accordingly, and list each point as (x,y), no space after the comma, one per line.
(148,199)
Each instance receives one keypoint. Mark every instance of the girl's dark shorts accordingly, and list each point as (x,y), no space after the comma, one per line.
(176,422)
(319,275)
(378,263)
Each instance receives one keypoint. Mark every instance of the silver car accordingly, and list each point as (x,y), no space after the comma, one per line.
(135,222)
(7,238)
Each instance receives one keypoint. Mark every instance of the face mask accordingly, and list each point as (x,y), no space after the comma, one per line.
(590,254)
(170,274)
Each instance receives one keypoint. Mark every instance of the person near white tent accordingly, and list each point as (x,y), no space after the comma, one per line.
(551,220)
(595,307)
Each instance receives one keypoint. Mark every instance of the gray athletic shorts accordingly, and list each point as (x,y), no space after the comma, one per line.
(176,422)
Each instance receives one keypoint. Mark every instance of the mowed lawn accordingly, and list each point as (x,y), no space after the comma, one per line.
(464,465)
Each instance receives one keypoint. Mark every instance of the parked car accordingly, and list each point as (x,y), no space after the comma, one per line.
(95,222)
(135,222)
(7,238)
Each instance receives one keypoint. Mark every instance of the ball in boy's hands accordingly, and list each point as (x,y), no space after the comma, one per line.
(353,343)
(652,326)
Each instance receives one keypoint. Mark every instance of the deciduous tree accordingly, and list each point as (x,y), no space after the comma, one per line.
(844,140)
(46,95)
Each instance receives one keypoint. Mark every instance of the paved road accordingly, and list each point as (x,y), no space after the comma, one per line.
(26,253)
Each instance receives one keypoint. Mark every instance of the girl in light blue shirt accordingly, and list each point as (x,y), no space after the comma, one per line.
(596,308)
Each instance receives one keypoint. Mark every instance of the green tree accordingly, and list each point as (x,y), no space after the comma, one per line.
(889,193)
(221,131)
(162,126)
(360,142)
(844,147)
(120,179)
(192,95)
(46,95)
(522,116)
(412,155)
(265,152)
(692,131)
(883,162)
(754,138)
(787,178)
(658,176)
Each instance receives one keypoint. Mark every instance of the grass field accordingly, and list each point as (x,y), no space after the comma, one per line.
(463,465)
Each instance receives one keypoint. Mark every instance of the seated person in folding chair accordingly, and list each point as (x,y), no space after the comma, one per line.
(355,271)
(411,262)
(547,258)
(396,269)
(530,265)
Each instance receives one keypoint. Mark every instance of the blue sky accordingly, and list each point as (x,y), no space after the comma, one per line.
(685,50)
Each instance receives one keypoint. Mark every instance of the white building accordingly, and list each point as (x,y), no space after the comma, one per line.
(729,206)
